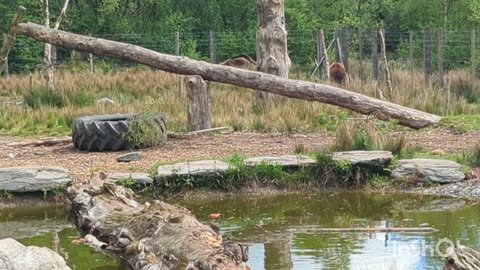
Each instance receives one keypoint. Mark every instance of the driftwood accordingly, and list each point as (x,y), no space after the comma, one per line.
(152,236)
(462,258)
(372,230)
(256,80)
(45,142)
(10,38)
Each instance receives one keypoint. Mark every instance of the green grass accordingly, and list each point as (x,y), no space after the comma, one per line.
(462,123)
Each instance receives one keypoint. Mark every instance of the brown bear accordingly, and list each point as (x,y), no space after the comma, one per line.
(338,73)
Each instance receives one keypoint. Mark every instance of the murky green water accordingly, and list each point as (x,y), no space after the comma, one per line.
(277,230)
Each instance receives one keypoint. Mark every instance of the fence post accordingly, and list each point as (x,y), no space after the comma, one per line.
(345,38)
(473,59)
(360,55)
(213,53)
(440,57)
(198,103)
(410,51)
(427,54)
(177,43)
(374,54)
(322,53)
(5,70)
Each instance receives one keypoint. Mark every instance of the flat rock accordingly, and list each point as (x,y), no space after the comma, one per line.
(287,161)
(365,158)
(29,179)
(200,167)
(128,157)
(435,170)
(138,178)
(15,256)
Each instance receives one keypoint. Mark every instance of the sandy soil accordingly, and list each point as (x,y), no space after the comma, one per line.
(84,165)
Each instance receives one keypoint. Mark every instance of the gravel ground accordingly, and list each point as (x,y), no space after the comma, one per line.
(85,166)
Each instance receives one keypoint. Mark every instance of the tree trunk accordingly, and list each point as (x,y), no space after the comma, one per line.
(10,38)
(156,235)
(385,63)
(60,17)
(5,69)
(198,102)
(272,51)
(47,56)
(245,78)
(462,258)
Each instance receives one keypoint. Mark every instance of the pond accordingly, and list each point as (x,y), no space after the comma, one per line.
(280,230)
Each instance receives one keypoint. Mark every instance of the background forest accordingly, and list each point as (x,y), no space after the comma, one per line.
(151,23)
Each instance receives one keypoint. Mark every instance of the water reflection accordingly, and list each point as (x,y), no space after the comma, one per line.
(277,229)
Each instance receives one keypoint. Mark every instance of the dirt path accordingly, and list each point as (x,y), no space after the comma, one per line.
(83,165)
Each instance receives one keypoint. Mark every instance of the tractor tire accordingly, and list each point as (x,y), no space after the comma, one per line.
(110,132)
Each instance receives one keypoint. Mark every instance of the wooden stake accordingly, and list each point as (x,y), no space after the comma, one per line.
(410,52)
(10,39)
(177,43)
(385,63)
(360,55)
(440,58)
(213,47)
(427,54)
(374,54)
(473,60)
(5,69)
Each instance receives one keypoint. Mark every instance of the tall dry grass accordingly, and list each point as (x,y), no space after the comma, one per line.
(137,90)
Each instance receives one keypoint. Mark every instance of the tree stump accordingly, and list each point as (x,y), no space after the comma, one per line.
(272,51)
(462,258)
(198,103)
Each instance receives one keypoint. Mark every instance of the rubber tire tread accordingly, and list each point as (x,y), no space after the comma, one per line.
(106,132)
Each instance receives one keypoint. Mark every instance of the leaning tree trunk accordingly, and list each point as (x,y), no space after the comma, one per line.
(272,51)
(10,37)
(152,236)
(256,80)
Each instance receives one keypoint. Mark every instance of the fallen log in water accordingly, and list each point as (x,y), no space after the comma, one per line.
(372,230)
(462,258)
(156,236)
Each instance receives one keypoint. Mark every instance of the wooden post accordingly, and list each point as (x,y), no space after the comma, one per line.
(90,61)
(177,43)
(473,59)
(440,58)
(427,54)
(198,103)
(410,52)
(322,56)
(375,54)
(245,78)
(360,56)
(345,42)
(5,69)
(385,63)
(10,38)
(272,50)
(213,48)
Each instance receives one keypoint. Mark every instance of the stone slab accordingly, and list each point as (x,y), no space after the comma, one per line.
(200,167)
(365,158)
(287,161)
(30,179)
(139,178)
(435,170)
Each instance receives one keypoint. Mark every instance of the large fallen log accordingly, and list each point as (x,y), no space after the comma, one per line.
(256,80)
(156,236)
(462,258)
